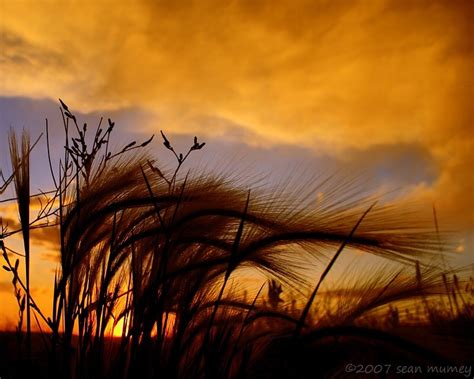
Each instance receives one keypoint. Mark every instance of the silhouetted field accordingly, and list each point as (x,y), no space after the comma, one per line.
(158,257)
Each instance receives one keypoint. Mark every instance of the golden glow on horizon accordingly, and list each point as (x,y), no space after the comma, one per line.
(168,320)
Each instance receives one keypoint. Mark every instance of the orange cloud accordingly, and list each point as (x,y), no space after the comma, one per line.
(327,75)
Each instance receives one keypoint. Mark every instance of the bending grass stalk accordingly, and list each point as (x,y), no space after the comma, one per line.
(231,266)
(241,332)
(14,270)
(306,309)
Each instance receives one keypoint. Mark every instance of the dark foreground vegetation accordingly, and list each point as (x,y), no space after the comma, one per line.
(159,256)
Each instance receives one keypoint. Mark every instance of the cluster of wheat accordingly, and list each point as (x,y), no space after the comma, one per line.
(155,255)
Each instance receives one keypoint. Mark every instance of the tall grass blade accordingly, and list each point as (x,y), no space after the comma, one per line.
(307,307)
(21,166)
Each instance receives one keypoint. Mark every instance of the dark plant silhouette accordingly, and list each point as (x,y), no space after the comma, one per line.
(154,256)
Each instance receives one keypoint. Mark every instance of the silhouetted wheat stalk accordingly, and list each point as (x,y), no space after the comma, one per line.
(21,163)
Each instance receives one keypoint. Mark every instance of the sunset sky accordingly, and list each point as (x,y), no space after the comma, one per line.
(384,87)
